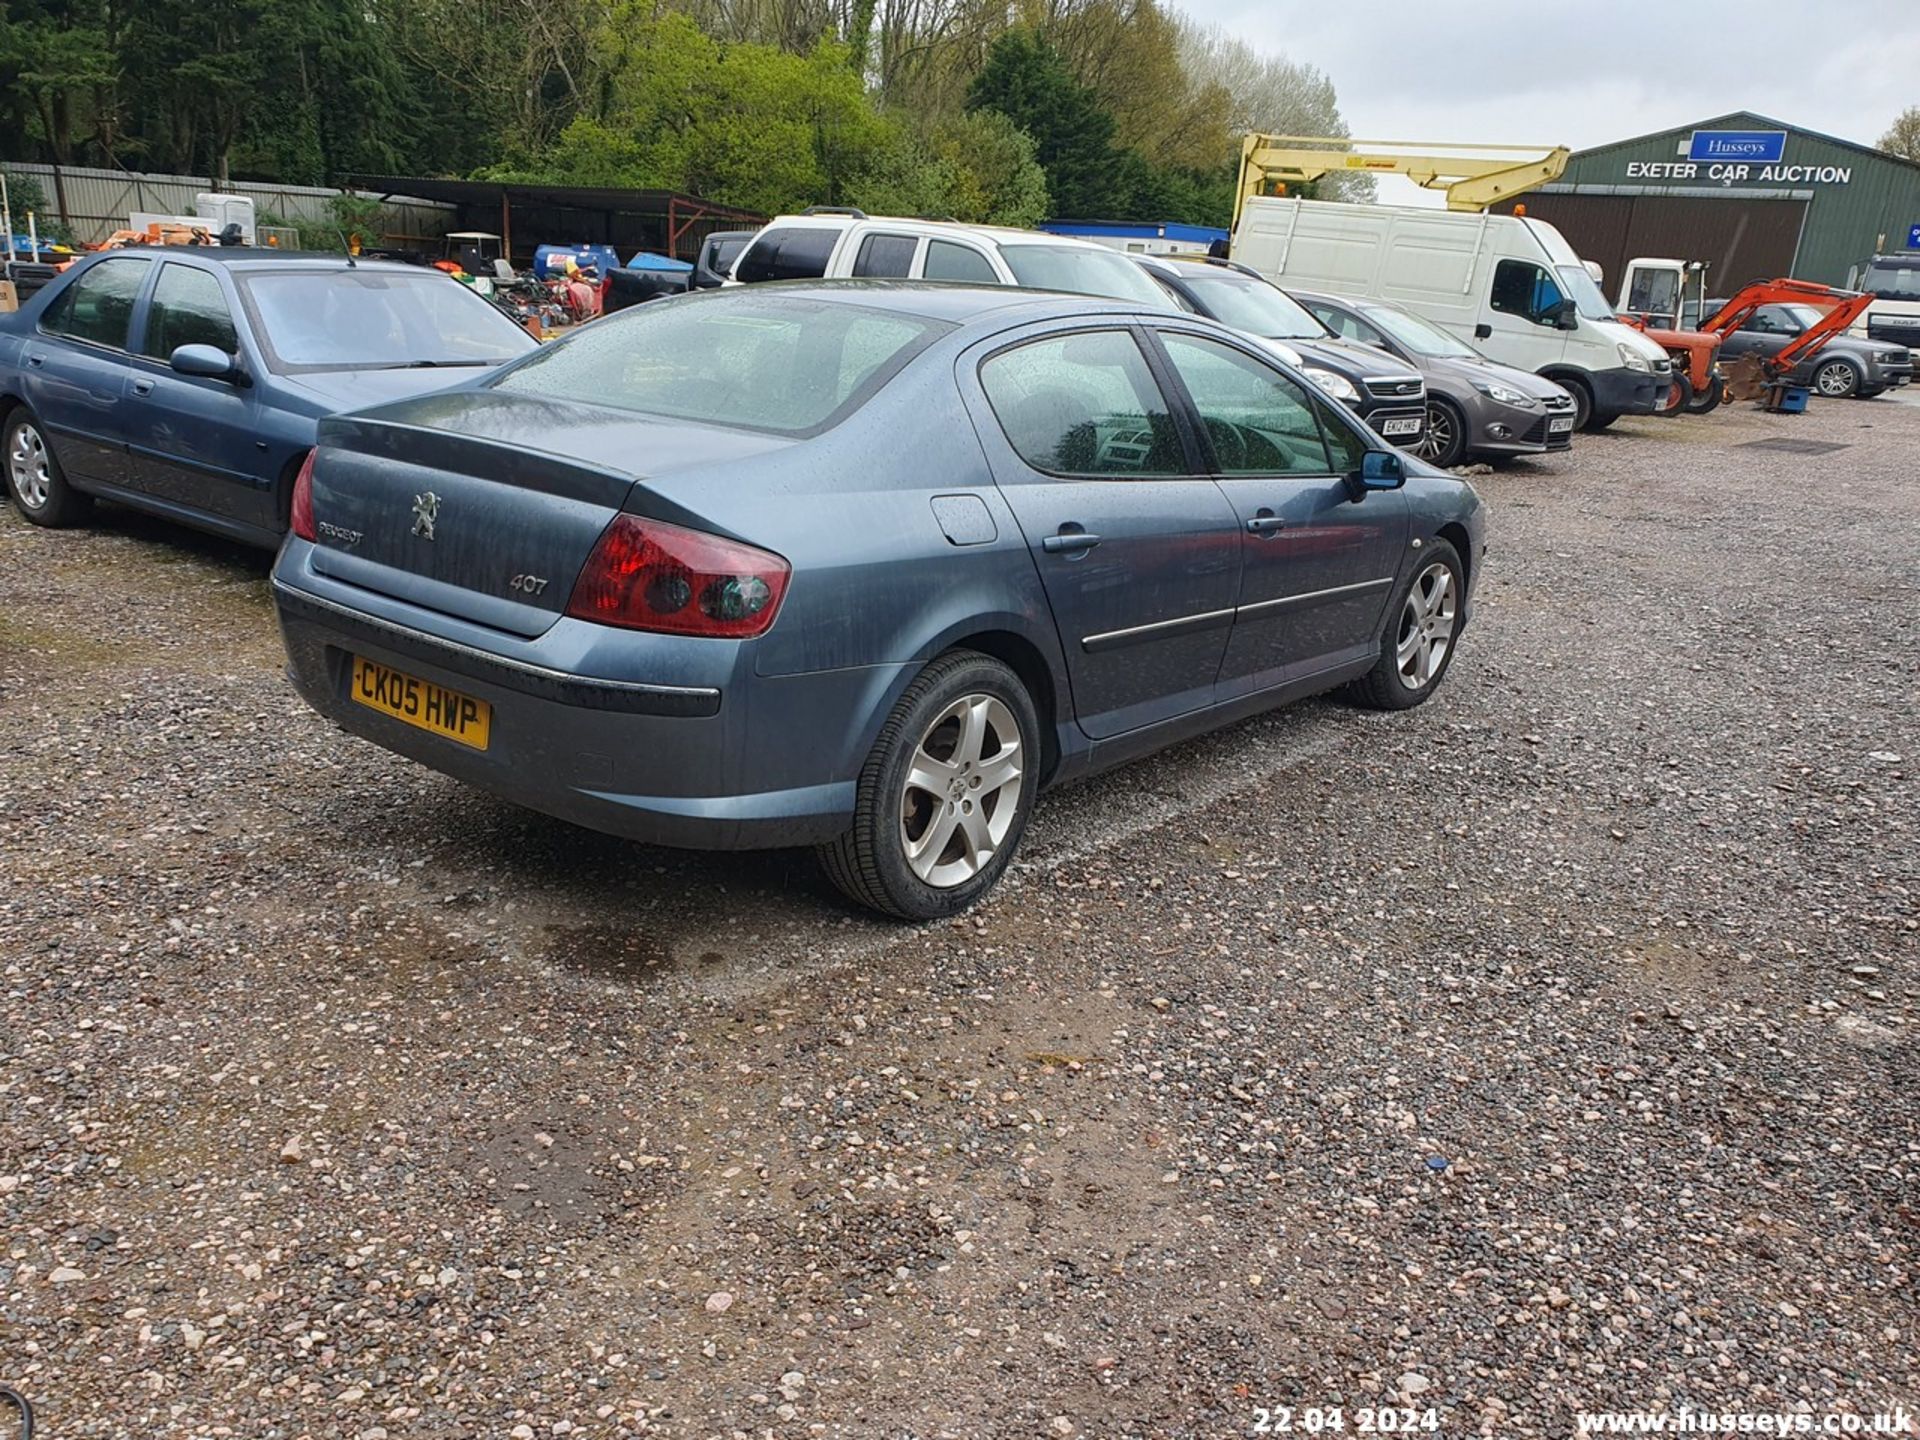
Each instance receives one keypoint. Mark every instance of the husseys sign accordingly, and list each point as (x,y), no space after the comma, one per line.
(1739,157)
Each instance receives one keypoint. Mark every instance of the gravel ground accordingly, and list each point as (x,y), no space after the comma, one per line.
(1553,1047)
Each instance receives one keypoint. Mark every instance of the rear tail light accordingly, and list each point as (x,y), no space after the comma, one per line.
(301,516)
(646,575)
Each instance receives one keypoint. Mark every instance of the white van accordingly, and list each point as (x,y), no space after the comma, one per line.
(1509,286)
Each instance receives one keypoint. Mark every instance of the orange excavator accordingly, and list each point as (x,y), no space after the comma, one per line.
(1764,376)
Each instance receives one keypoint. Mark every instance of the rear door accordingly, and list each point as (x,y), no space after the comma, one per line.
(1317,565)
(191,438)
(75,366)
(1139,556)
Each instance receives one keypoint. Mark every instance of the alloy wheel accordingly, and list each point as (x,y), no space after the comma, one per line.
(1426,626)
(1439,439)
(28,466)
(962,791)
(1835,379)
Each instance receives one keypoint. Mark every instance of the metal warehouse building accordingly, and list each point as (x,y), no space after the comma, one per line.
(1753,197)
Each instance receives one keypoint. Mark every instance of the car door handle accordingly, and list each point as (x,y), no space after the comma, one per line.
(1069,542)
(36,360)
(1265,523)
(143,387)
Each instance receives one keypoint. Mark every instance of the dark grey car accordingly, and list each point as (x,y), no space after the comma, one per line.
(1475,406)
(1845,367)
(860,565)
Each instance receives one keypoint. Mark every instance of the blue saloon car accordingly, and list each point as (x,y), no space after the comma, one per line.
(859,564)
(189,381)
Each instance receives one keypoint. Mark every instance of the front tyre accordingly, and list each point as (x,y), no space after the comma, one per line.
(1679,396)
(1837,379)
(1417,646)
(34,479)
(1445,443)
(944,798)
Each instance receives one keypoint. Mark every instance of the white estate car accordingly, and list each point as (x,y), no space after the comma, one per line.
(836,244)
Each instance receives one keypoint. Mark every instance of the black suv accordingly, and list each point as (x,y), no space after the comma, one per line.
(1388,394)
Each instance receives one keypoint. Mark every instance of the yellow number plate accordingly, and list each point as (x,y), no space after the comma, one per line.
(422,703)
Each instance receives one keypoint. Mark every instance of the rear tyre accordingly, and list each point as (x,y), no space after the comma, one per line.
(944,798)
(1678,397)
(1836,379)
(35,482)
(1423,625)
(1708,400)
(1445,443)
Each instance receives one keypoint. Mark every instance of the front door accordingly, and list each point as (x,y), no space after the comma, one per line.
(192,437)
(1519,316)
(1319,564)
(1139,556)
(75,369)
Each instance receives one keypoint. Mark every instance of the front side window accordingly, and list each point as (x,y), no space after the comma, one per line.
(788,252)
(948,261)
(1522,288)
(188,308)
(1084,404)
(742,358)
(98,306)
(888,257)
(1259,421)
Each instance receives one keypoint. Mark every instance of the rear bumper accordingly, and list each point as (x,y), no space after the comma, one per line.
(1626,392)
(680,765)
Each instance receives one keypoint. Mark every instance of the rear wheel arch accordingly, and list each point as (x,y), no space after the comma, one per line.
(1024,658)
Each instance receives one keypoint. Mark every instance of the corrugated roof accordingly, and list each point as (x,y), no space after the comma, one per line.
(610,200)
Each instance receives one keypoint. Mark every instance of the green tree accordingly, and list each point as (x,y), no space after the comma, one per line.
(1903,136)
(978,167)
(1025,80)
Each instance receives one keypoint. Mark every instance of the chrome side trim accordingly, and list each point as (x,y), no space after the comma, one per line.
(1310,597)
(1115,639)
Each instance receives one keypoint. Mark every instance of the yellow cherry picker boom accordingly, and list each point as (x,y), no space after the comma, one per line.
(1473,177)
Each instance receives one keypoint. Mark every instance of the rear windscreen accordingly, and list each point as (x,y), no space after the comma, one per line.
(735,357)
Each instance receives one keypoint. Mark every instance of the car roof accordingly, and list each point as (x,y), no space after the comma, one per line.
(941,300)
(992,234)
(255,255)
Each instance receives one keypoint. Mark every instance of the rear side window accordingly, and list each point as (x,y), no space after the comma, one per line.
(747,360)
(789,252)
(1083,404)
(188,308)
(98,306)
(888,257)
(948,261)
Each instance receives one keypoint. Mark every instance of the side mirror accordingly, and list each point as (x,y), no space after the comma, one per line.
(1379,470)
(1563,315)
(209,362)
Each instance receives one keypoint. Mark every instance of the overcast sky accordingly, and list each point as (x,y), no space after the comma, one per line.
(1501,71)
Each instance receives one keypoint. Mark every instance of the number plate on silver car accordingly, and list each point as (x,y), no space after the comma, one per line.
(1560,425)
(1406,425)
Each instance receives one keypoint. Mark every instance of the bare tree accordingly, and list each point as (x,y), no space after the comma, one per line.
(1903,137)
(1271,94)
